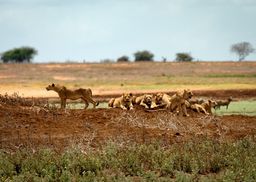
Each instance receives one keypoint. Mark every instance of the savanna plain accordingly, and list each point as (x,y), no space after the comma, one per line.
(41,142)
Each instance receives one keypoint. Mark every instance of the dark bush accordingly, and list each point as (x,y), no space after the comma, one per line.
(143,56)
(123,59)
(183,57)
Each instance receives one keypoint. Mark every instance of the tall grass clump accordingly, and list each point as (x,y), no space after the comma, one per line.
(196,160)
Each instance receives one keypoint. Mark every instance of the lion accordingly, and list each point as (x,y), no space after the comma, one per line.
(178,101)
(145,100)
(162,100)
(124,102)
(81,93)
(196,107)
(209,105)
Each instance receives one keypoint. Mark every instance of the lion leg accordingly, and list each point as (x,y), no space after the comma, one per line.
(210,110)
(144,105)
(204,111)
(179,111)
(184,109)
(86,104)
(123,107)
(92,101)
(63,103)
(131,107)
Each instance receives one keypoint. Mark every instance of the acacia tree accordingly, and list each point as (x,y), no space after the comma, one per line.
(143,56)
(242,49)
(19,55)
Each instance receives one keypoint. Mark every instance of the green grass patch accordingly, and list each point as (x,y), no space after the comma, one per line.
(230,76)
(239,108)
(198,160)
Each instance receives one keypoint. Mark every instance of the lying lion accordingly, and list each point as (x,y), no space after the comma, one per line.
(209,105)
(162,100)
(145,100)
(81,93)
(124,102)
(195,107)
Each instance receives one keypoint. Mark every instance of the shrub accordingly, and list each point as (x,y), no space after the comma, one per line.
(143,56)
(123,59)
(200,160)
(183,57)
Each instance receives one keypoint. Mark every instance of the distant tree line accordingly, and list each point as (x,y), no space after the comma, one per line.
(26,54)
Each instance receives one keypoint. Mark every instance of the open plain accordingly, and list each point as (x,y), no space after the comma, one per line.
(216,80)
(29,119)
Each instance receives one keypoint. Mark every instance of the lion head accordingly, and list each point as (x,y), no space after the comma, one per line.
(159,98)
(127,97)
(212,103)
(187,94)
(50,87)
(148,100)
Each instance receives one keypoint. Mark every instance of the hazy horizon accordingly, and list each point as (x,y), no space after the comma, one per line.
(88,30)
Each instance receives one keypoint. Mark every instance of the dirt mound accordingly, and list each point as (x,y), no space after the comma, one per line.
(36,126)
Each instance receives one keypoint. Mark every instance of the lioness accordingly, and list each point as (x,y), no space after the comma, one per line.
(177,101)
(162,100)
(209,105)
(81,93)
(195,107)
(145,100)
(124,102)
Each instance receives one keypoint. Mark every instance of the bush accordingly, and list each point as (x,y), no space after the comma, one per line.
(143,56)
(199,160)
(183,57)
(123,59)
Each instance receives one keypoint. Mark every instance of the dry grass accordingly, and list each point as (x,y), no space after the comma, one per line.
(31,79)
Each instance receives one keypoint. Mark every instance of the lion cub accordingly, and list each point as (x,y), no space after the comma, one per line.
(124,102)
(162,100)
(178,101)
(209,105)
(196,107)
(81,93)
(145,100)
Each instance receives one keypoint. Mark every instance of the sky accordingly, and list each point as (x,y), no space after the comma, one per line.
(95,30)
